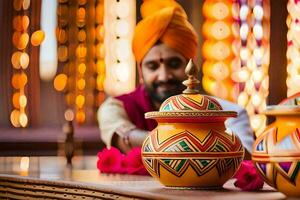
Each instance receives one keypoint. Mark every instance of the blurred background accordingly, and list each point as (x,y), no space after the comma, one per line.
(60,59)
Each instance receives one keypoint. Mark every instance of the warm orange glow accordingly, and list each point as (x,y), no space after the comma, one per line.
(100,81)
(25,22)
(23,79)
(80,19)
(80,100)
(20,61)
(217,10)
(60,82)
(100,33)
(37,37)
(82,2)
(71,84)
(23,42)
(15,100)
(100,98)
(62,53)
(100,51)
(90,99)
(91,82)
(15,81)
(17,23)
(99,13)
(81,51)
(79,54)
(70,99)
(81,84)
(81,68)
(81,13)
(218,30)
(14,118)
(219,47)
(16,38)
(63,14)
(80,116)
(217,70)
(100,67)
(81,35)
(18,4)
(216,50)
(19,80)
(61,35)
(24,60)
(15,59)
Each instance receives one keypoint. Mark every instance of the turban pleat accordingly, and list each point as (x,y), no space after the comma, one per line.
(165,21)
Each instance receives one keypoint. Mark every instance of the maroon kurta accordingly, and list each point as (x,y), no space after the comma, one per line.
(136,104)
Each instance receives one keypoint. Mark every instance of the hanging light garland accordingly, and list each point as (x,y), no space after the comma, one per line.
(119,23)
(100,54)
(252,76)
(293,49)
(218,30)
(20,60)
(81,60)
(80,51)
(61,82)
(236,54)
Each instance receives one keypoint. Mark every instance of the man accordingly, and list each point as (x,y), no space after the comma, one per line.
(163,43)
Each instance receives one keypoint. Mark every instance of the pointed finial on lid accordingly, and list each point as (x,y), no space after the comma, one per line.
(192,82)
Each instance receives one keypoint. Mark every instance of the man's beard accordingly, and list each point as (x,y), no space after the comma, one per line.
(177,88)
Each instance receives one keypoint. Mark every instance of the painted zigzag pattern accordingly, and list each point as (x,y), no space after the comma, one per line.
(185,142)
(184,102)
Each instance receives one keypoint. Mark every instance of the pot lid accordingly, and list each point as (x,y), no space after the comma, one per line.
(191,105)
(289,106)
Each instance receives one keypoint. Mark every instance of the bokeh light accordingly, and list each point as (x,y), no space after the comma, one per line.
(60,82)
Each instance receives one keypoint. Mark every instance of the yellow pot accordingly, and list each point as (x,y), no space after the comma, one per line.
(276,152)
(190,147)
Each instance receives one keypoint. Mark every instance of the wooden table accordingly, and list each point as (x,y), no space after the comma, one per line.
(48,141)
(49,177)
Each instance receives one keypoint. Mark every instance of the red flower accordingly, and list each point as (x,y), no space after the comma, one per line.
(133,162)
(247,177)
(109,160)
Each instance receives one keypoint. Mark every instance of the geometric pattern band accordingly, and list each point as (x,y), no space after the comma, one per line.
(184,150)
(287,155)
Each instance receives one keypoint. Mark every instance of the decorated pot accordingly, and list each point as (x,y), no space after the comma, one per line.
(276,152)
(190,147)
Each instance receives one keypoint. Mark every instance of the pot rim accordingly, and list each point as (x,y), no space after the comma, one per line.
(282,110)
(196,116)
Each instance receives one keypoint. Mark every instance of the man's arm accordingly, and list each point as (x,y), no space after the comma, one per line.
(116,128)
(240,125)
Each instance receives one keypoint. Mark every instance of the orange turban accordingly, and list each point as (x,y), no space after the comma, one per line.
(165,21)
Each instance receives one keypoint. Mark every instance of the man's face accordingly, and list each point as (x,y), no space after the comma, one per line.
(163,72)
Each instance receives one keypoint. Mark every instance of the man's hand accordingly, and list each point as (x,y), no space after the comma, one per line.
(133,138)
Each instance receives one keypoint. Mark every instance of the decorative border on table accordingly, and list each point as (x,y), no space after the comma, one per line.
(18,187)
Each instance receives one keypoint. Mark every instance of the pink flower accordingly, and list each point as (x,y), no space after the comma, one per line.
(109,160)
(133,162)
(113,161)
(247,177)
